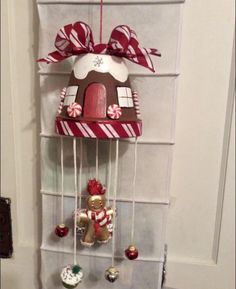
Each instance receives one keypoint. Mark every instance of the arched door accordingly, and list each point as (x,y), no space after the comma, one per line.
(95,101)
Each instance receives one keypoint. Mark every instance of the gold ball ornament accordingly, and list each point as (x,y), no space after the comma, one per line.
(112,274)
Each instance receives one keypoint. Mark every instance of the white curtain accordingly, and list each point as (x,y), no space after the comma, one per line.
(158,25)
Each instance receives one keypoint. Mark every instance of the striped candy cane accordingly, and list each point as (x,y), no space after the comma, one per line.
(136,103)
(62,96)
(114,111)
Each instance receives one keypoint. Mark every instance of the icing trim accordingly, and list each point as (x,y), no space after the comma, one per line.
(100,63)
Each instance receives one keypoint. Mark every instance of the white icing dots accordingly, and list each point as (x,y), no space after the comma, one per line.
(70,278)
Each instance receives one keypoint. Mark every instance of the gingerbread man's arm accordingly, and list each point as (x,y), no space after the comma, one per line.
(82,219)
(110,212)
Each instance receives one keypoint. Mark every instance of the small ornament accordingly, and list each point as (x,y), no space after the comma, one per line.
(131,253)
(112,274)
(97,218)
(71,276)
(114,111)
(74,109)
(61,230)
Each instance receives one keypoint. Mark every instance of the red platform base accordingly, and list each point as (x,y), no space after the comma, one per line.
(100,129)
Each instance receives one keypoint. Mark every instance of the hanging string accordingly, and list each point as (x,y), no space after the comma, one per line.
(114,202)
(76,197)
(101,19)
(62,180)
(109,173)
(97,159)
(134,189)
(80,171)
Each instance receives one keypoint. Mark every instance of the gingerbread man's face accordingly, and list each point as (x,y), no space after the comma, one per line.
(96,203)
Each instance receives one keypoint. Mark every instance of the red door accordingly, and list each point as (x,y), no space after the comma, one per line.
(95,102)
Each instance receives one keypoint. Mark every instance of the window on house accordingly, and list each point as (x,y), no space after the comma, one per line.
(125,98)
(71,93)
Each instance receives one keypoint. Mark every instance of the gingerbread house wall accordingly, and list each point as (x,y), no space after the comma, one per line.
(158,24)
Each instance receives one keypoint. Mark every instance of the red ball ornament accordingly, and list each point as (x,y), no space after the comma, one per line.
(61,230)
(131,253)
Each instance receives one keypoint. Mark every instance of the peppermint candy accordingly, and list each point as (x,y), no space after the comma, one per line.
(114,111)
(74,109)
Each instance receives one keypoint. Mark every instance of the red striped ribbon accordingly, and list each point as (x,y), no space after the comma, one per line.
(77,38)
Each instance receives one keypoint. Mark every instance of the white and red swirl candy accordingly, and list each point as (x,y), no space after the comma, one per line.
(74,109)
(114,111)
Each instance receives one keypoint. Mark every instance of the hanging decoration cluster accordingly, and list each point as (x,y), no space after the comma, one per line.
(98,103)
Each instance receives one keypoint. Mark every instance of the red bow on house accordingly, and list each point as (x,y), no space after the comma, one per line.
(77,38)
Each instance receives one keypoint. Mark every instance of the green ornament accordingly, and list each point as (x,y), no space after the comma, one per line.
(76,269)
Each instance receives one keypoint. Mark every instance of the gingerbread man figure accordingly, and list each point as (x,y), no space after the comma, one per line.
(96,219)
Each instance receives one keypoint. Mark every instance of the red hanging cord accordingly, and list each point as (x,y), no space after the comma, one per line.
(101,16)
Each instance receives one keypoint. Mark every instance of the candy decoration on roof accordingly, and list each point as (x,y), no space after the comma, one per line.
(74,109)
(98,103)
(114,111)
(62,97)
(136,103)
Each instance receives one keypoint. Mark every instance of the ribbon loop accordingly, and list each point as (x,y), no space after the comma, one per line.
(62,41)
(77,38)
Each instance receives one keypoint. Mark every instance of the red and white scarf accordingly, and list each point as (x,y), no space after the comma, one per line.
(100,219)
(77,38)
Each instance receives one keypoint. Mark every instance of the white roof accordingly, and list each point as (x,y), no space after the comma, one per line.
(101,63)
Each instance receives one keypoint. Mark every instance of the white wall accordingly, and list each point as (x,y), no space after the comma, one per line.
(19,141)
(201,112)
(203,121)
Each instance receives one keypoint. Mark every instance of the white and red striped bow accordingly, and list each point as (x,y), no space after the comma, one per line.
(77,38)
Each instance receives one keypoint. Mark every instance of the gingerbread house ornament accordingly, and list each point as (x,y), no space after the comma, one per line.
(99,101)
